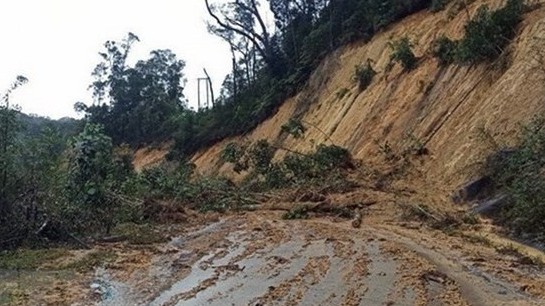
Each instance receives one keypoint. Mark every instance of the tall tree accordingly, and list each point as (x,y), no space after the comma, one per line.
(8,131)
(136,104)
(243,18)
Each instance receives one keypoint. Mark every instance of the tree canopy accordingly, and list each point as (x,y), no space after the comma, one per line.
(136,104)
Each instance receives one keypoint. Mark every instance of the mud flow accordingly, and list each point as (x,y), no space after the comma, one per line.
(259,260)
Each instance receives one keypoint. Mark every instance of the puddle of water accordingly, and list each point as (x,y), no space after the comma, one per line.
(408,298)
(246,286)
(202,270)
(112,293)
(382,276)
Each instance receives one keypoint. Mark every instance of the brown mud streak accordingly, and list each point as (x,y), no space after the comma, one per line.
(474,289)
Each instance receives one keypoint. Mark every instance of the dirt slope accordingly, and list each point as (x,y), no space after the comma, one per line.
(442,107)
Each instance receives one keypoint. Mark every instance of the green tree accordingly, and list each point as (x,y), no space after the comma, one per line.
(9,126)
(136,104)
(90,178)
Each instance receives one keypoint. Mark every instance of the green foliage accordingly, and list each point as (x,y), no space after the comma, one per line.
(307,32)
(445,50)
(90,178)
(519,173)
(139,104)
(330,157)
(232,153)
(364,76)
(9,127)
(487,35)
(261,154)
(26,259)
(438,5)
(218,194)
(165,181)
(295,169)
(295,128)
(402,53)
(489,32)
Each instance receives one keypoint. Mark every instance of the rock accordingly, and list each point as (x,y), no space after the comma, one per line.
(471,190)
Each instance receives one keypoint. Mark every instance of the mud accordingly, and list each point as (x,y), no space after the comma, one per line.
(259,259)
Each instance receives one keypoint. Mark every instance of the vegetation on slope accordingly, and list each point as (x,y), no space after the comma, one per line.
(517,173)
(54,185)
(486,35)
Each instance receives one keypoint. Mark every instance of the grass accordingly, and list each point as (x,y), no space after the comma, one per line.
(139,234)
(14,296)
(25,259)
(92,260)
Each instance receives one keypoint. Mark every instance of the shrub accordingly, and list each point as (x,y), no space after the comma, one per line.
(364,76)
(295,128)
(90,179)
(488,33)
(519,173)
(403,53)
(234,153)
(330,157)
(261,155)
(445,50)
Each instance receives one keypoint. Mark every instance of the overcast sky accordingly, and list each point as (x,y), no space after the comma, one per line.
(55,44)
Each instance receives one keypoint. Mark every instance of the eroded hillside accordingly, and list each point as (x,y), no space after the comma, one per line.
(444,108)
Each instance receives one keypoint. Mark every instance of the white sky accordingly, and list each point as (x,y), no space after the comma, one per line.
(55,44)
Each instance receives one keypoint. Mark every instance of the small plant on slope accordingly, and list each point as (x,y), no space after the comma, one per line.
(364,75)
(403,53)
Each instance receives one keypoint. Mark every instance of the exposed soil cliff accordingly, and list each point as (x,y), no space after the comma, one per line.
(444,108)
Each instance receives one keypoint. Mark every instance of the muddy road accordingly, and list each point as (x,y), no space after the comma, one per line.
(259,259)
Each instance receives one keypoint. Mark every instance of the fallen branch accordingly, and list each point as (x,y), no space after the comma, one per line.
(112,239)
(318,207)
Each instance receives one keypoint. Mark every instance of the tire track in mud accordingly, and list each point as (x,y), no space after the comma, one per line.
(260,261)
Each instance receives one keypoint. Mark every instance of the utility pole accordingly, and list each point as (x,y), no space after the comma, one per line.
(209,91)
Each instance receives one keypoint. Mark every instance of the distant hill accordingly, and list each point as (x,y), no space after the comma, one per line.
(33,125)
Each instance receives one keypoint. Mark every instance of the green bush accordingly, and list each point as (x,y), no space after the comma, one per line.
(331,157)
(445,50)
(403,53)
(295,128)
(518,172)
(295,169)
(489,32)
(364,76)
(234,154)
(261,155)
